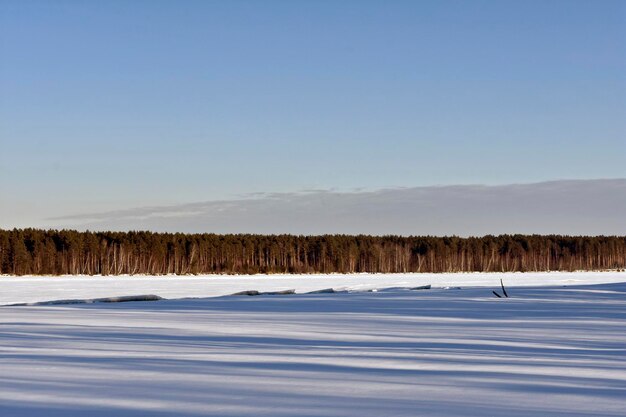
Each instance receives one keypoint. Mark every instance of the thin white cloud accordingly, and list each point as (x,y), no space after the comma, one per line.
(589,207)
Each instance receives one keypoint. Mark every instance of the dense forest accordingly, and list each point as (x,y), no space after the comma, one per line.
(31,251)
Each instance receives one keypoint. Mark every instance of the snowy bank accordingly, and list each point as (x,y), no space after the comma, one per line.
(29,289)
(546,351)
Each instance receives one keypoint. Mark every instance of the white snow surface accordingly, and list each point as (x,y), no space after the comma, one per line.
(31,289)
(546,351)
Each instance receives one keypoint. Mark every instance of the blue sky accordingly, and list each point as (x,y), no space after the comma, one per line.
(118,104)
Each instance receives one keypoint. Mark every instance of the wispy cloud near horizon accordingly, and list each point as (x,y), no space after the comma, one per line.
(588,207)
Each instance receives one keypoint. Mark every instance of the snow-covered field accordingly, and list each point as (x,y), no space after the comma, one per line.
(546,351)
(28,289)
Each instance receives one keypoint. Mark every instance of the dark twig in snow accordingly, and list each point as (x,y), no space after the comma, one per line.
(503,290)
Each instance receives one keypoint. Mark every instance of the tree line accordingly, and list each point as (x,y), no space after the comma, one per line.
(58,252)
